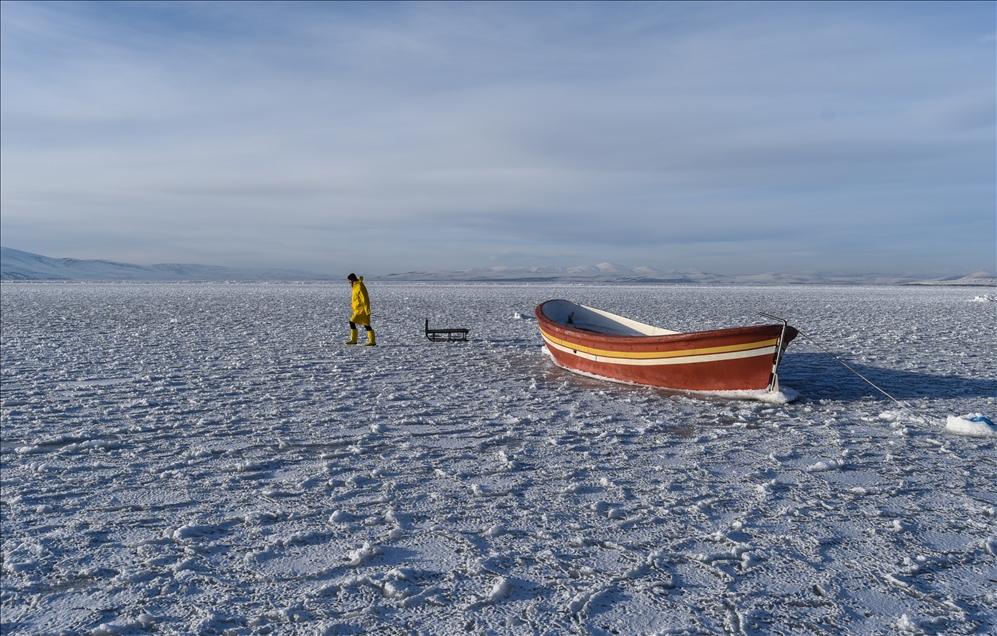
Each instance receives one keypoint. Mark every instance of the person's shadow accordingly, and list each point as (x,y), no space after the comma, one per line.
(818,376)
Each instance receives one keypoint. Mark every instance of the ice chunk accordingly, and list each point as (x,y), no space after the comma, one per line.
(399,589)
(340,516)
(972,425)
(905,624)
(500,590)
(190,531)
(360,555)
(830,464)
(495,531)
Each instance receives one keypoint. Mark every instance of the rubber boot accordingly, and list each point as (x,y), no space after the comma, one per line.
(353,337)
(371,340)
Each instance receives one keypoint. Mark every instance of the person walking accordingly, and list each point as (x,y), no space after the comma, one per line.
(361,311)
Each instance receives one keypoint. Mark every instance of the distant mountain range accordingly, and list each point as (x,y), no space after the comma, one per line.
(18,265)
(611,272)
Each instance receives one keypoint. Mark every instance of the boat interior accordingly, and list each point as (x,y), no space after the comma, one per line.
(587,318)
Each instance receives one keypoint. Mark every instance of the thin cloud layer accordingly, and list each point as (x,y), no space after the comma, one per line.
(732,137)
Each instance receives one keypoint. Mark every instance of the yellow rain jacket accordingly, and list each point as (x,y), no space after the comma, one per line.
(361,303)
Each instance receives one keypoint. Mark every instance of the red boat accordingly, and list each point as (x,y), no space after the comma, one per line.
(595,342)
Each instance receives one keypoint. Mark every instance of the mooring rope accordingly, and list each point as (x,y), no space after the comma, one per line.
(871,383)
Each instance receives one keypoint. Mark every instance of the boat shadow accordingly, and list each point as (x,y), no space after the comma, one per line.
(817,376)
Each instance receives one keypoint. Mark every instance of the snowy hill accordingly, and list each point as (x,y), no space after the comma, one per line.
(610,272)
(976,279)
(603,272)
(18,265)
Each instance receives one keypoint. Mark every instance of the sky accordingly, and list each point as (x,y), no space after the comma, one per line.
(381,138)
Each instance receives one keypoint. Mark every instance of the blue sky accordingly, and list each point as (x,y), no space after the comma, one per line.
(735,138)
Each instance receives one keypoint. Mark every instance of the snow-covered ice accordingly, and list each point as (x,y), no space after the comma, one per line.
(210,458)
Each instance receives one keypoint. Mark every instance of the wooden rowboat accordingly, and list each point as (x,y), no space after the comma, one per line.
(595,342)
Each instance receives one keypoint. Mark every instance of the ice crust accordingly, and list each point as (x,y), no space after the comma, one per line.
(209,458)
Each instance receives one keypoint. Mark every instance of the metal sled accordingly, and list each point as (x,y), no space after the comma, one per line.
(450,335)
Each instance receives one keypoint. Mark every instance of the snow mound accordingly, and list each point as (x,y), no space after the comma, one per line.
(972,425)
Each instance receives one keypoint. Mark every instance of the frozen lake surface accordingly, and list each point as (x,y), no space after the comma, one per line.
(210,458)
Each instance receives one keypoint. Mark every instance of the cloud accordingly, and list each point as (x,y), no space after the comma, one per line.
(441,135)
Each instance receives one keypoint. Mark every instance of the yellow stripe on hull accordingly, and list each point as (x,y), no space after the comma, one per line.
(706,354)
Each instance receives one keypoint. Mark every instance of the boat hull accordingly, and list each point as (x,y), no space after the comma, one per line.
(739,359)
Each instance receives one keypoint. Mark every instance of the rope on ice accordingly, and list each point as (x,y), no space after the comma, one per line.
(871,383)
